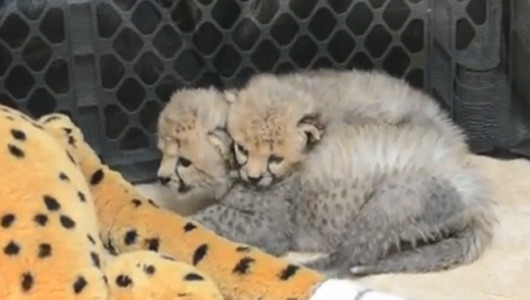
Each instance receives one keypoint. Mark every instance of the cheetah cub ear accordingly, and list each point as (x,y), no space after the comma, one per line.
(220,139)
(311,128)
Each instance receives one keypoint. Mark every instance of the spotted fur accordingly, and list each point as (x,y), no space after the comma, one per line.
(191,139)
(379,176)
(49,229)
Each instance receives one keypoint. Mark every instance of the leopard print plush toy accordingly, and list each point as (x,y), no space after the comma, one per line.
(61,207)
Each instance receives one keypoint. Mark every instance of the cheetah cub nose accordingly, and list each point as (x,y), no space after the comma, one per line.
(164,180)
(254,180)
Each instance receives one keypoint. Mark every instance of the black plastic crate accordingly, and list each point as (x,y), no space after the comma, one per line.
(520,49)
(519,70)
(113,64)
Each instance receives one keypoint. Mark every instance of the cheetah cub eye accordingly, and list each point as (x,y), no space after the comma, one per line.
(241,149)
(184,162)
(275,159)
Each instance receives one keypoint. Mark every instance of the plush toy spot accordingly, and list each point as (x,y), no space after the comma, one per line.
(63,177)
(130,237)
(51,203)
(7,220)
(79,284)
(152,203)
(67,130)
(199,254)
(243,265)
(96,177)
(91,239)
(27,282)
(16,151)
(81,196)
(71,141)
(105,280)
(153,244)
(18,135)
(67,222)
(41,219)
(189,227)
(95,259)
(70,157)
(11,249)
(149,270)
(193,277)
(167,257)
(45,250)
(243,249)
(123,281)
(289,272)
(136,202)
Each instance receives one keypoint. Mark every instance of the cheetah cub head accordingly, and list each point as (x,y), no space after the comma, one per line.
(194,145)
(272,125)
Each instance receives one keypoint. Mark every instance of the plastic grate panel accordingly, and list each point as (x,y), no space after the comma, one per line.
(113,64)
(158,46)
(35,74)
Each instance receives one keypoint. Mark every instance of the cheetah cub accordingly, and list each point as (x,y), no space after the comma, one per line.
(192,140)
(381,183)
(354,97)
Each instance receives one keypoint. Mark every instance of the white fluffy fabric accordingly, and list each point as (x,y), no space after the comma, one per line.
(342,289)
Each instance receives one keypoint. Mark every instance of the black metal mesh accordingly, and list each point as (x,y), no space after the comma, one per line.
(35,57)
(114,63)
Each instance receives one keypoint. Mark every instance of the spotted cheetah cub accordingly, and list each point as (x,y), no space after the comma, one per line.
(192,140)
(382,186)
(352,96)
